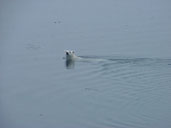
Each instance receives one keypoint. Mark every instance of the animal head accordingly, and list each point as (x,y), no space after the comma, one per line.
(69,54)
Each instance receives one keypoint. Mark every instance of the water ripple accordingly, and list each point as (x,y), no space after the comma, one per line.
(122,89)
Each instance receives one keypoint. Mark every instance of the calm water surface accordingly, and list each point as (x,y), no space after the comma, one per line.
(130,87)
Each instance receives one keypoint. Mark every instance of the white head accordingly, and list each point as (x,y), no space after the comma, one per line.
(70,55)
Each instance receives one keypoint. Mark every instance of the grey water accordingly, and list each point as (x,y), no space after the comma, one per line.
(130,87)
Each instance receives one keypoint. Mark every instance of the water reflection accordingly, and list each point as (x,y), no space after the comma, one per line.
(70,64)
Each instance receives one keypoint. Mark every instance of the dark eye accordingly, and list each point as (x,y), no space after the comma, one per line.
(72,51)
(67,53)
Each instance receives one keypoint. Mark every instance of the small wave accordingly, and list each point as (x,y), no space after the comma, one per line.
(122,89)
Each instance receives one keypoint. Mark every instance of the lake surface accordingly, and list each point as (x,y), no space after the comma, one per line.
(130,87)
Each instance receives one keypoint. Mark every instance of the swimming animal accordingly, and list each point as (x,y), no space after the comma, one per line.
(70,55)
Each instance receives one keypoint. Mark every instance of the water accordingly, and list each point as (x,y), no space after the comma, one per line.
(129,88)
